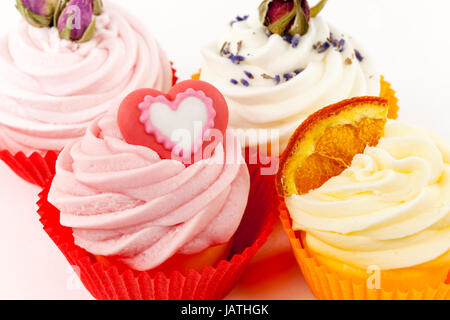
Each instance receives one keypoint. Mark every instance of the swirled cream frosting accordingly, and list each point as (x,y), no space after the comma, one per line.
(390,209)
(51,89)
(124,201)
(274,83)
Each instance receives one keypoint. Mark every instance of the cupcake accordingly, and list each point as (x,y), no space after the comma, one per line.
(58,73)
(368,218)
(137,215)
(279,65)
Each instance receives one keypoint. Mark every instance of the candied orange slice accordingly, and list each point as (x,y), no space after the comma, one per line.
(326,143)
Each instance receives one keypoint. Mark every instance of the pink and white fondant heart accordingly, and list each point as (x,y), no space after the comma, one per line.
(181,125)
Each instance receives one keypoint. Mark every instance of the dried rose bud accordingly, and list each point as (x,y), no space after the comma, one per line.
(288,17)
(38,13)
(76,20)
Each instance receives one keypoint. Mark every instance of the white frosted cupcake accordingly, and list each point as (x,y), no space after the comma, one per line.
(279,66)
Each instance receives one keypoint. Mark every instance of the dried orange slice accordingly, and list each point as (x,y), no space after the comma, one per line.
(326,143)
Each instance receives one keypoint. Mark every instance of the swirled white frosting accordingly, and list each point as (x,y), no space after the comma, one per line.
(391,208)
(51,89)
(327,78)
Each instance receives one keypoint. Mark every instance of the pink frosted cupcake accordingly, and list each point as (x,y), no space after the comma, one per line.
(56,80)
(126,207)
(124,201)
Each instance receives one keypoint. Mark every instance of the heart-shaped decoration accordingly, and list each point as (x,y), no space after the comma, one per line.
(178,124)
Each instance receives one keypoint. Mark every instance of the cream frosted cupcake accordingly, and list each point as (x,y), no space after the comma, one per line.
(56,80)
(383,223)
(279,66)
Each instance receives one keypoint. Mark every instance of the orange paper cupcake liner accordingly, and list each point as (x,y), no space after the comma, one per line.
(197,75)
(328,285)
(36,169)
(389,94)
(212,283)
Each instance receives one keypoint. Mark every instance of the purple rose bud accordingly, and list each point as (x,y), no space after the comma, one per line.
(77,21)
(288,16)
(38,13)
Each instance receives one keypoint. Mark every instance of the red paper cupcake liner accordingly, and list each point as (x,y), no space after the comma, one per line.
(212,283)
(174,75)
(35,169)
(260,177)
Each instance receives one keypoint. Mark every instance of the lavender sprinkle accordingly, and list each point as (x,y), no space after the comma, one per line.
(225,50)
(234,81)
(331,41)
(342,45)
(287,76)
(295,41)
(277,79)
(321,47)
(240,19)
(249,75)
(236,59)
(287,38)
(245,82)
(359,56)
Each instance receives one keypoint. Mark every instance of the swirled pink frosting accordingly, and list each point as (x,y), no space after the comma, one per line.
(122,200)
(51,89)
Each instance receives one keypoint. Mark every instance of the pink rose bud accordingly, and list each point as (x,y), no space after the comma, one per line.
(38,13)
(288,17)
(76,21)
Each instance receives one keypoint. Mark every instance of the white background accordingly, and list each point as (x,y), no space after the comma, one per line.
(408,39)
